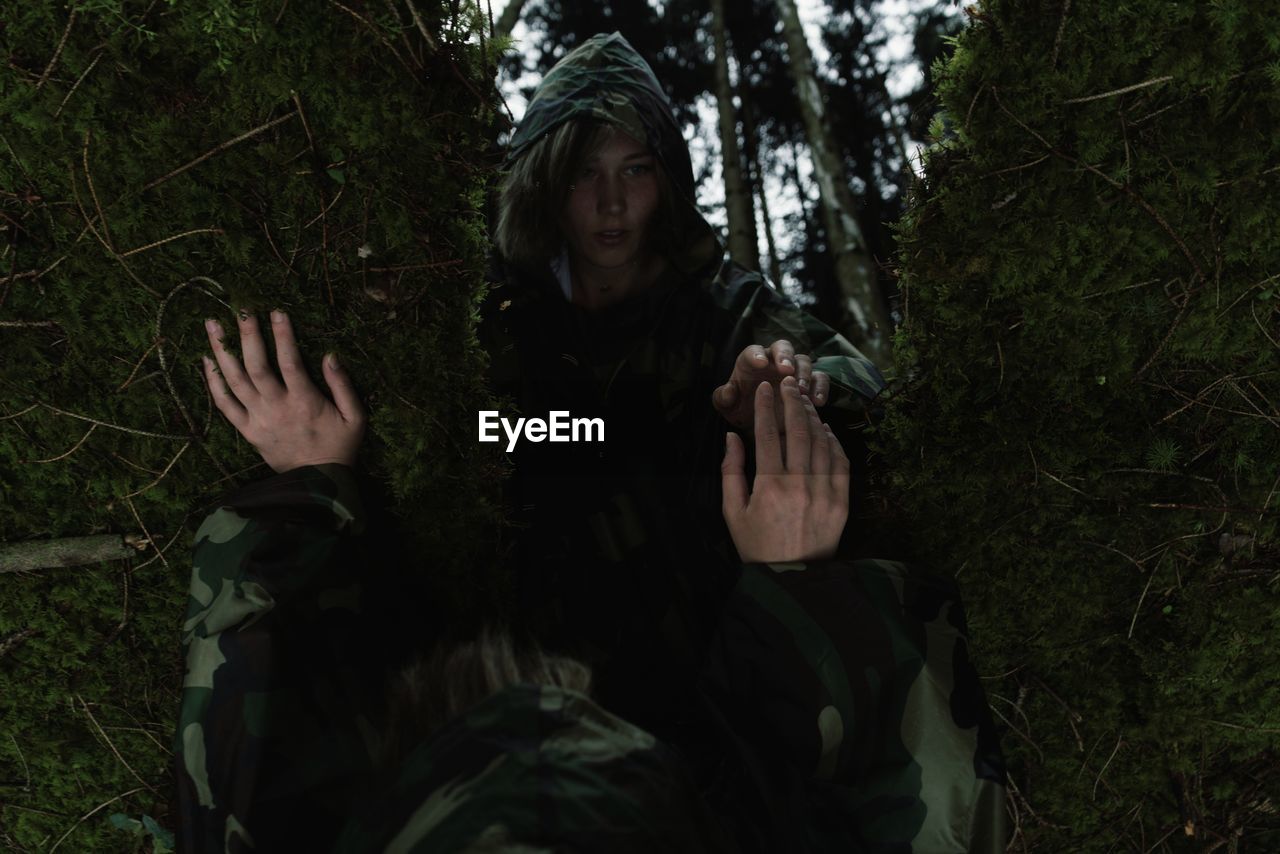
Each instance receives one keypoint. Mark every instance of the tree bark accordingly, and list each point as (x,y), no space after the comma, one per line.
(737,198)
(507,20)
(69,551)
(868,318)
(755,174)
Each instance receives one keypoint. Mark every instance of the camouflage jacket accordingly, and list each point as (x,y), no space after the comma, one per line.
(845,715)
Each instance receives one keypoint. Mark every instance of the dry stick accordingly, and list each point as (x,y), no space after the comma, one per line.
(218,149)
(10,643)
(134,372)
(26,323)
(1152,82)
(91,812)
(159,552)
(16,414)
(1150,578)
(57,53)
(150,539)
(1186,302)
(135,431)
(1057,42)
(377,33)
(88,176)
(74,448)
(1073,717)
(79,80)
(110,250)
(176,456)
(195,436)
(324,219)
(1119,742)
(279,257)
(404,37)
(68,551)
(422,28)
(96,726)
(171,239)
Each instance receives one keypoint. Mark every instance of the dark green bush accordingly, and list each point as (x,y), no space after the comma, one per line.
(1084,426)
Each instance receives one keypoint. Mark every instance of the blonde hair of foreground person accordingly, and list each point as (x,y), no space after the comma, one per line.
(454,677)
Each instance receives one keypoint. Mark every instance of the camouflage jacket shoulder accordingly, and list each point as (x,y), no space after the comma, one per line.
(273,737)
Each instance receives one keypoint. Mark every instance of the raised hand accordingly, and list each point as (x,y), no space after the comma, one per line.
(289,422)
(800,500)
(756,364)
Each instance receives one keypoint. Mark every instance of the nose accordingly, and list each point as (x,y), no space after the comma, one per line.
(610,195)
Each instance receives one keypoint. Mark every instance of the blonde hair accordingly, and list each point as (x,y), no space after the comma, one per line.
(533,193)
(439,686)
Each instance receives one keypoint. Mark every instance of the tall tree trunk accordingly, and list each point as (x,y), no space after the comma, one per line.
(868,318)
(737,198)
(820,266)
(507,20)
(755,174)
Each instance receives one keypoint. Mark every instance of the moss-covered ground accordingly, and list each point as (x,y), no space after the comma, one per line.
(163,162)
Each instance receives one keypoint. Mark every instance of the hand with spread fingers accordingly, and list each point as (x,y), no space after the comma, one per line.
(290,423)
(755,364)
(799,502)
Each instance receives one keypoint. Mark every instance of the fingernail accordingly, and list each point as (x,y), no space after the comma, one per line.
(333,361)
(760,357)
(244,315)
(277,315)
(205,359)
(786,362)
(804,384)
(211,324)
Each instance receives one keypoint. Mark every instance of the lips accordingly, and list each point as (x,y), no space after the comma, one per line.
(611,238)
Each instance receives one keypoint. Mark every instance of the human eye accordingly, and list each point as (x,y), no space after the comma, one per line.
(642,168)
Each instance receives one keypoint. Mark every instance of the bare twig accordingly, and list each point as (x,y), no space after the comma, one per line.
(91,812)
(143,526)
(171,239)
(12,324)
(218,149)
(48,69)
(422,28)
(388,45)
(181,451)
(76,86)
(195,435)
(135,431)
(1057,41)
(1119,743)
(134,372)
(73,449)
(1134,87)
(88,177)
(96,726)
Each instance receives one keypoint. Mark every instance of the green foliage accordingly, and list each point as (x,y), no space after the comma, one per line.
(1086,427)
(118,235)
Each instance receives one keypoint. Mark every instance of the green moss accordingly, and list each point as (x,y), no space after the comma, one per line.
(1067,433)
(156,86)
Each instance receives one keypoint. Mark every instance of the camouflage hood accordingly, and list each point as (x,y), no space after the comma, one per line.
(605,79)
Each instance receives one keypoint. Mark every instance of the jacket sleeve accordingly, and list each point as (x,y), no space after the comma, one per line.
(854,677)
(272,731)
(855,380)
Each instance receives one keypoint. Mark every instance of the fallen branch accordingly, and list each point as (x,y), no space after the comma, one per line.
(69,551)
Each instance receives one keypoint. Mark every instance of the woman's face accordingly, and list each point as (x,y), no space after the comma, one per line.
(611,201)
